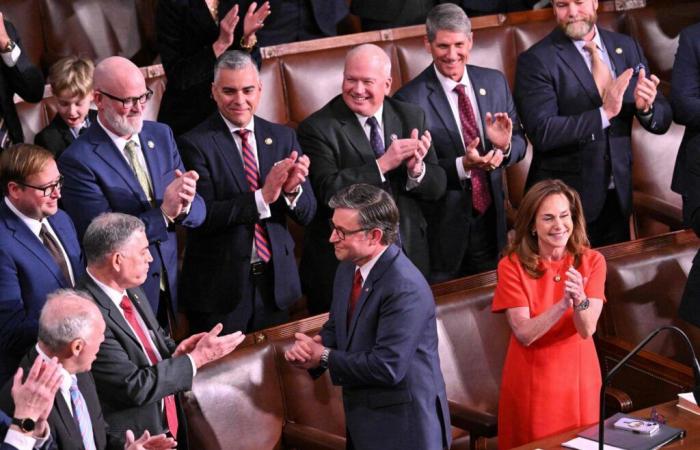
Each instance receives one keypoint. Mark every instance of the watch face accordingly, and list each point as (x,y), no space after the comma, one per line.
(26,425)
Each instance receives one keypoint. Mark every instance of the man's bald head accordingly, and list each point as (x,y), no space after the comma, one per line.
(117,79)
(366,79)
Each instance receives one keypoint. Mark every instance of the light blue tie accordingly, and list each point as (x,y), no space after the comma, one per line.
(81,414)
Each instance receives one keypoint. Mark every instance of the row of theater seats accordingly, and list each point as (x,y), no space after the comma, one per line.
(300,78)
(254,398)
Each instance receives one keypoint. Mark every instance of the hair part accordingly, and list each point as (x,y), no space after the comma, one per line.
(73,76)
(21,161)
(107,233)
(449,17)
(67,315)
(525,244)
(374,206)
(234,60)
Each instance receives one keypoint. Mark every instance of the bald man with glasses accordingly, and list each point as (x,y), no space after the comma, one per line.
(39,249)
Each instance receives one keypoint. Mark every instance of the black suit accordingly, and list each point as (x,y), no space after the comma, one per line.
(300,20)
(377,15)
(341,155)
(23,79)
(56,136)
(129,387)
(63,425)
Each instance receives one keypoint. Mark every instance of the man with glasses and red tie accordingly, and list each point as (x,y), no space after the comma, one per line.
(125,164)
(239,266)
(39,248)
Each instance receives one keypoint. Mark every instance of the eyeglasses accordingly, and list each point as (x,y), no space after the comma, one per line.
(130,102)
(46,190)
(342,234)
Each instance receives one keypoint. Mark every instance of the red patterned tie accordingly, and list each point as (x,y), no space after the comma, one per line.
(354,294)
(481,197)
(169,401)
(262,243)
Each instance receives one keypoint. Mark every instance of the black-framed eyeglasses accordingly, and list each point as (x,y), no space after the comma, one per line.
(47,190)
(130,102)
(342,234)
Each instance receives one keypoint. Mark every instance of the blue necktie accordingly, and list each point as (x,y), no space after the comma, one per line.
(81,414)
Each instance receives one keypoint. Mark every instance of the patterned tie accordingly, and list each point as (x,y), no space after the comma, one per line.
(262,243)
(81,415)
(55,251)
(599,70)
(354,295)
(481,197)
(169,401)
(5,140)
(130,149)
(375,138)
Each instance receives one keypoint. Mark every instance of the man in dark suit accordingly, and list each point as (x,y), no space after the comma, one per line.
(129,165)
(685,99)
(39,248)
(139,369)
(380,340)
(378,15)
(464,237)
(239,267)
(17,76)
(577,91)
(362,136)
(292,21)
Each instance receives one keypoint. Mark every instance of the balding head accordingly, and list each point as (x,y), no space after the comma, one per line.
(117,79)
(366,79)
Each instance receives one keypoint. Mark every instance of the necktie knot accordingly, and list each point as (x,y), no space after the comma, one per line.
(243,133)
(126,304)
(591,48)
(459,89)
(74,383)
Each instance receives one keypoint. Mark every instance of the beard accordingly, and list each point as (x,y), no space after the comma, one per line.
(577,30)
(121,125)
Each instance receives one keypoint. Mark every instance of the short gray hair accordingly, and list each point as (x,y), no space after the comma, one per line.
(447,16)
(67,315)
(234,60)
(375,208)
(107,233)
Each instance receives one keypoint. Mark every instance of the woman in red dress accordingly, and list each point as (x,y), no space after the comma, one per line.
(551,287)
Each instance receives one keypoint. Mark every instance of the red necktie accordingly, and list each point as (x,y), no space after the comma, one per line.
(169,401)
(354,294)
(262,243)
(481,197)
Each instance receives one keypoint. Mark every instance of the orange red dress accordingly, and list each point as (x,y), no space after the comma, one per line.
(554,384)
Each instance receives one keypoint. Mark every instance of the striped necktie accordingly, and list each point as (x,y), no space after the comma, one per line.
(81,415)
(5,140)
(130,149)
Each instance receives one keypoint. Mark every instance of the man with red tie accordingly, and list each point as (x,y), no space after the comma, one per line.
(380,340)
(139,369)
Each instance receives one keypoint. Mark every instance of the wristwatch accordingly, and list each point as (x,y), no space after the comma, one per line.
(583,305)
(26,425)
(323,363)
(9,47)
(252,40)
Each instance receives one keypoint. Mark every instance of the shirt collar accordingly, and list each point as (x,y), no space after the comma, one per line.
(579,43)
(67,377)
(448,84)
(377,115)
(114,295)
(119,141)
(233,128)
(33,224)
(367,267)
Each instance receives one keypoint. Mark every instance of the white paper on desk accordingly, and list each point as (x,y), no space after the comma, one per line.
(586,444)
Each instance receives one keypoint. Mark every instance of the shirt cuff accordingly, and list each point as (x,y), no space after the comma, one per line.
(461,172)
(381,175)
(411,182)
(604,118)
(263,208)
(20,440)
(293,202)
(10,59)
(194,366)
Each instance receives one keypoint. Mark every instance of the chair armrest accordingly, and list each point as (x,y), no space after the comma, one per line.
(478,423)
(617,399)
(296,435)
(646,205)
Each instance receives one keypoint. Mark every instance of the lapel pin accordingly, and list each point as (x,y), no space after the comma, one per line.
(268,141)
(482,91)
(394,137)
(150,144)
(618,50)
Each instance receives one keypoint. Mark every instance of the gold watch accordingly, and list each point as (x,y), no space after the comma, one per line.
(9,47)
(252,40)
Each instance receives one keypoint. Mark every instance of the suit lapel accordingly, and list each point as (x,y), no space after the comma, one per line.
(442,109)
(104,302)
(484,103)
(617,58)
(144,308)
(392,125)
(344,287)
(63,130)
(62,232)
(353,131)
(150,154)
(264,143)
(572,58)
(226,146)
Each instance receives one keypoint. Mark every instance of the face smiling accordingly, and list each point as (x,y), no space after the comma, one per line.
(450,52)
(73,109)
(365,83)
(576,17)
(237,94)
(30,201)
(553,225)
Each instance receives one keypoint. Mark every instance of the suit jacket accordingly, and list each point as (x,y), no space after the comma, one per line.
(129,387)
(99,179)
(386,359)
(23,79)
(28,274)
(292,21)
(64,427)
(341,155)
(559,105)
(448,227)
(56,136)
(216,267)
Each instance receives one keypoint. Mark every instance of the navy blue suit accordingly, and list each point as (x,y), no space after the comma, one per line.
(386,360)
(27,275)
(559,105)
(98,179)
(449,226)
(216,267)
(685,99)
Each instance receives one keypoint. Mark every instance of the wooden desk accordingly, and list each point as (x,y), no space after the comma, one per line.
(675,416)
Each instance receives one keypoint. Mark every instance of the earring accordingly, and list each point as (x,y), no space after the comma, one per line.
(533,232)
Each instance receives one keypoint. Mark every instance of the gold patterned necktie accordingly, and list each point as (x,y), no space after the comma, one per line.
(141,175)
(599,70)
